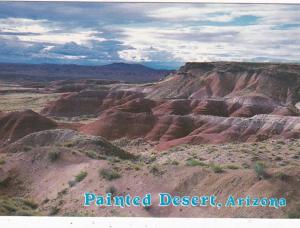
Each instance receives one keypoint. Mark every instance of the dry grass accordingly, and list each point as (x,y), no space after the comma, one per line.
(21,101)
(109,174)
(274,153)
(17,207)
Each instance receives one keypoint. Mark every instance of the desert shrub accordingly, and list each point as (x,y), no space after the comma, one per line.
(194,155)
(245,165)
(45,201)
(147,208)
(295,214)
(232,166)
(79,177)
(282,176)
(211,150)
(23,213)
(154,169)
(2,162)
(113,159)
(135,166)
(17,206)
(281,142)
(69,144)
(92,154)
(109,174)
(62,192)
(174,162)
(54,211)
(216,168)
(4,183)
(278,147)
(194,162)
(72,183)
(54,155)
(111,189)
(260,170)
(30,203)
(148,159)
(27,148)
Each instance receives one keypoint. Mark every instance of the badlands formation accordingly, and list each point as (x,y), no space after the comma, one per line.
(222,128)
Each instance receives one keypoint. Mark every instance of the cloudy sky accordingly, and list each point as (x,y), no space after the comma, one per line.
(157,35)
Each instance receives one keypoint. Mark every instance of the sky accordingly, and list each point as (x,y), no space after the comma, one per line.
(159,35)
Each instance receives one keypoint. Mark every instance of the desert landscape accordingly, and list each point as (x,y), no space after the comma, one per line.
(222,128)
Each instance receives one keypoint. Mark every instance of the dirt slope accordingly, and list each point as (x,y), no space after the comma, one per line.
(15,125)
(35,174)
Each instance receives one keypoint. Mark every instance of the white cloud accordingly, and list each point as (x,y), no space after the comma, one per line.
(44,31)
(79,37)
(159,33)
(207,43)
(24,25)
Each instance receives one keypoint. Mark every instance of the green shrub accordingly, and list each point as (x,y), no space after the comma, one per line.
(23,213)
(114,160)
(62,192)
(72,183)
(147,208)
(2,162)
(53,155)
(135,166)
(4,183)
(17,206)
(216,168)
(282,176)
(92,154)
(30,203)
(155,170)
(111,189)
(27,148)
(69,144)
(194,162)
(295,214)
(260,170)
(45,201)
(109,174)
(54,211)
(79,177)
(232,166)
(245,166)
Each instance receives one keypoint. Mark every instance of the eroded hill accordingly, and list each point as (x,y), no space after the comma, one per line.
(210,128)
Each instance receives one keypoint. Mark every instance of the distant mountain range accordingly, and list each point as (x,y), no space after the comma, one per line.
(132,73)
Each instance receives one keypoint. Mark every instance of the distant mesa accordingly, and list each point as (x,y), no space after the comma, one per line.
(132,73)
